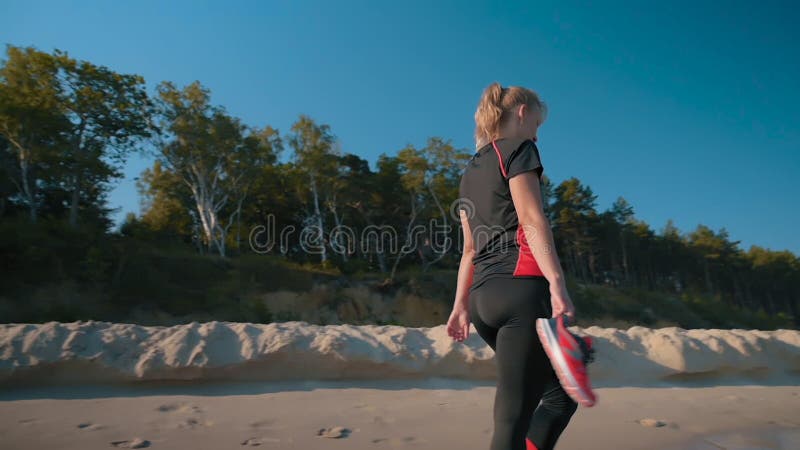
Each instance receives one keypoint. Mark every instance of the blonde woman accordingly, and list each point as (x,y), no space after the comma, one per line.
(510,282)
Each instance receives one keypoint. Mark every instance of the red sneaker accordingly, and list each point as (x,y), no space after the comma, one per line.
(569,355)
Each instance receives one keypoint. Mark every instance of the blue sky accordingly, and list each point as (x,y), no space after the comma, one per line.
(687,110)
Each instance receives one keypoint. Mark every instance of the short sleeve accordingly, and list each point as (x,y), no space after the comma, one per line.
(523,159)
(463,195)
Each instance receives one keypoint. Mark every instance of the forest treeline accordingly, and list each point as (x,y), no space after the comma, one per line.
(218,185)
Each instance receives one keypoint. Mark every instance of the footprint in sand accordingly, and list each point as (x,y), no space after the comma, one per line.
(133,443)
(365,407)
(655,423)
(193,423)
(179,407)
(334,432)
(398,441)
(88,426)
(382,420)
(270,424)
(256,441)
(266,423)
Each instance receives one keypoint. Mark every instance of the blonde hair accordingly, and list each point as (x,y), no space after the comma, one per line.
(494,105)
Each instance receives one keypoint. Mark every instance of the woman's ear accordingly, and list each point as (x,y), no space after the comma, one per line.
(523,108)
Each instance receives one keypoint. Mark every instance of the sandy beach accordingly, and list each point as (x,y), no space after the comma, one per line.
(425,414)
(218,385)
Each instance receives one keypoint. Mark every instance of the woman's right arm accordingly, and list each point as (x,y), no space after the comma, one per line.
(527,198)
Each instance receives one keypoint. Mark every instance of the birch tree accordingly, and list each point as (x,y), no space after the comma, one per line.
(213,154)
(316,157)
(442,175)
(31,122)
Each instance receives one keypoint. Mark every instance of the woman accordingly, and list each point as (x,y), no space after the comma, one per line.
(503,289)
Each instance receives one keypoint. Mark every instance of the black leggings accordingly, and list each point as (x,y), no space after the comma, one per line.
(504,312)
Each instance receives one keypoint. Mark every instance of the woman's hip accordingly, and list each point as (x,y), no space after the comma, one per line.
(501,299)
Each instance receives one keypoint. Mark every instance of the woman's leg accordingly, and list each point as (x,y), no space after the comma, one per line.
(554,413)
(504,314)
(552,416)
(519,384)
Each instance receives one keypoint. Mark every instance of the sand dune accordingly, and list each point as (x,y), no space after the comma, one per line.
(109,352)
(369,387)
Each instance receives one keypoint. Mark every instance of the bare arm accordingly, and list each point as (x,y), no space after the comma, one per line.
(458,323)
(527,197)
(465,268)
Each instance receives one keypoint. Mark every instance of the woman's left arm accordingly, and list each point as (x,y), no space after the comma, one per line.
(458,323)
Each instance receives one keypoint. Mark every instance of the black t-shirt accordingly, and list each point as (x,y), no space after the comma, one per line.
(501,249)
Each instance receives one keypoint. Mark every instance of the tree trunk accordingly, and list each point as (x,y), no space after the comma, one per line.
(239,221)
(624,256)
(73,208)
(318,214)
(379,254)
(337,223)
(441,255)
(592,266)
(25,190)
(29,193)
(78,178)
(408,237)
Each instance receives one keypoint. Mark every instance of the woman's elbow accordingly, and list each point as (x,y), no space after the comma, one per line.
(467,255)
(534,221)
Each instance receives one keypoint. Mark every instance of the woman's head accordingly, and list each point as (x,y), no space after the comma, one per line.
(512,111)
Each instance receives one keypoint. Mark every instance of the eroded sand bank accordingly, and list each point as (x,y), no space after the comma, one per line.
(108,352)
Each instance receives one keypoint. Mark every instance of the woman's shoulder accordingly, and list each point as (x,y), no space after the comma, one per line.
(507,146)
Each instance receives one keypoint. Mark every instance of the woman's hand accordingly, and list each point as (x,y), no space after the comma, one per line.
(458,324)
(561,303)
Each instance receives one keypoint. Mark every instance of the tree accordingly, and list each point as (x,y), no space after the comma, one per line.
(32,122)
(442,178)
(108,115)
(673,246)
(622,212)
(317,159)
(379,207)
(352,181)
(260,149)
(413,168)
(715,252)
(213,154)
(547,197)
(166,202)
(574,212)
(273,202)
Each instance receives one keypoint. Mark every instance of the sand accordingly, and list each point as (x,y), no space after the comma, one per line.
(218,385)
(113,352)
(424,414)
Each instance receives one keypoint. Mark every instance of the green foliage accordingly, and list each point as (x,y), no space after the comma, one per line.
(70,125)
(217,184)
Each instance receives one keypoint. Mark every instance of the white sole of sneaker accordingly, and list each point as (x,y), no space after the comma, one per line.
(553,350)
